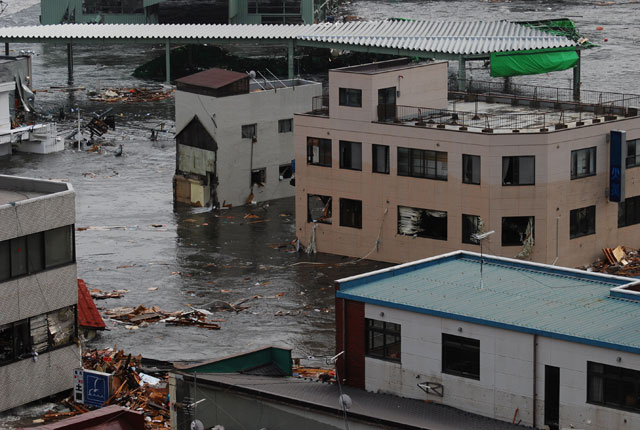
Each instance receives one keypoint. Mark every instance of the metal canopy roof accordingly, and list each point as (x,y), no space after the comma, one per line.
(474,38)
(533,298)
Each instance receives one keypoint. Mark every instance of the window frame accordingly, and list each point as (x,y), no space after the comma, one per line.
(592,150)
(245,127)
(591,221)
(504,218)
(262,171)
(281,127)
(343,145)
(14,327)
(423,157)
(635,155)
(471,158)
(350,97)
(282,171)
(516,168)
(358,211)
(374,158)
(470,240)
(624,218)
(387,329)
(466,345)
(426,212)
(322,145)
(609,375)
(329,204)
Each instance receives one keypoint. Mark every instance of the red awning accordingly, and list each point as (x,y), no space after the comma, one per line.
(88,315)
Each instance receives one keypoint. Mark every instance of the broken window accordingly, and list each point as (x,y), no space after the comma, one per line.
(351,213)
(58,246)
(250,131)
(461,356)
(286,172)
(583,163)
(422,223)
(582,222)
(471,224)
(518,170)
(470,169)
(285,125)
(380,158)
(516,230)
(319,151)
(259,177)
(420,163)
(629,211)
(350,155)
(633,153)
(61,327)
(318,208)
(383,340)
(350,97)
(15,342)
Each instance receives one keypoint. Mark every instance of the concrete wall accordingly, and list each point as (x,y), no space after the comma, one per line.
(550,200)
(271,150)
(506,372)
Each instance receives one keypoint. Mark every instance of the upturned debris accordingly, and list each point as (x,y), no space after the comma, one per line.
(97,294)
(622,261)
(142,316)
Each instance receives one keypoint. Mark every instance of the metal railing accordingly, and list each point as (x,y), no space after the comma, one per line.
(320,105)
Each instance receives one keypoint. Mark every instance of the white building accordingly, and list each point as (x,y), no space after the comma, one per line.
(506,339)
(38,290)
(235,137)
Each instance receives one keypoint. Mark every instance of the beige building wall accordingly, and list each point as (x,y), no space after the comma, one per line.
(550,200)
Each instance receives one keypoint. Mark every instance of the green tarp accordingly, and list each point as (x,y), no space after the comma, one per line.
(517,63)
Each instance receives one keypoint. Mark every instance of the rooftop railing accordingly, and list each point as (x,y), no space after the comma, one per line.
(320,105)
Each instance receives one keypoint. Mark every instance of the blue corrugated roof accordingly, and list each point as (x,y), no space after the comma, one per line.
(561,303)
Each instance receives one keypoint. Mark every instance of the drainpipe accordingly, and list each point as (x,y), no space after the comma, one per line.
(535,365)
(557,241)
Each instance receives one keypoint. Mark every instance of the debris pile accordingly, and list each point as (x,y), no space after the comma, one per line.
(130,95)
(142,316)
(131,388)
(621,261)
(97,294)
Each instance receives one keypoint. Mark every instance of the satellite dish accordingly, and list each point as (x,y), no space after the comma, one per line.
(197,425)
(345,401)
(252,74)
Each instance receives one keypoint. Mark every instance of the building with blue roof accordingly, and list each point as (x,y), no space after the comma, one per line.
(511,340)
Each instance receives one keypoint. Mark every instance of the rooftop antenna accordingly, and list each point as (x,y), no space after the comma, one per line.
(479,237)
(344,400)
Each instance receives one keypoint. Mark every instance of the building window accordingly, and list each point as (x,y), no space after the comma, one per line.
(583,163)
(250,131)
(471,169)
(418,222)
(633,153)
(319,208)
(285,125)
(420,163)
(58,246)
(518,170)
(461,356)
(285,171)
(15,341)
(517,229)
(319,151)
(629,212)
(471,224)
(350,97)
(351,213)
(259,177)
(582,222)
(382,340)
(350,155)
(613,386)
(380,160)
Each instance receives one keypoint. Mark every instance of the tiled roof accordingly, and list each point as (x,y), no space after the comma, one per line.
(88,315)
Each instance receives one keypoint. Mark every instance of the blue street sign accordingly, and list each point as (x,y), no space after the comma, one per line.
(97,388)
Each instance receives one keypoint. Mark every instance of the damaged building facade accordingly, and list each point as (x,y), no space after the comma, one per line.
(396,166)
(38,289)
(235,140)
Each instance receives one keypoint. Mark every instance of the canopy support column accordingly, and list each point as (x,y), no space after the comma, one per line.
(6,49)
(167,62)
(70,63)
(462,74)
(290,51)
(576,79)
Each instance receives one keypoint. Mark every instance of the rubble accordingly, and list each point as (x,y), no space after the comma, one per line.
(130,95)
(97,294)
(143,316)
(621,261)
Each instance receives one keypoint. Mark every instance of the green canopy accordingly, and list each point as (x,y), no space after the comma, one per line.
(534,62)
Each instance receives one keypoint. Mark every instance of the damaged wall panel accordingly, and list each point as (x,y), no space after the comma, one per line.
(422,222)
(319,208)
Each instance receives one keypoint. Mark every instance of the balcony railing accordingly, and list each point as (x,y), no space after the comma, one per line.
(320,105)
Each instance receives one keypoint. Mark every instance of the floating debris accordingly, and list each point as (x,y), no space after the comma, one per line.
(130,95)
(143,316)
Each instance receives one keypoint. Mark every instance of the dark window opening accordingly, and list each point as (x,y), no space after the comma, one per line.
(250,131)
(15,341)
(418,222)
(319,208)
(471,224)
(613,386)
(259,177)
(351,213)
(517,229)
(582,222)
(633,153)
(285,125)
(383,340)
(319,151)
(350,155)
(419,163)
(286,172)
(18,256)
(461,356)
(518,170)
(629,212)
(471,169)
(583,163)
(350,97)
(380,158)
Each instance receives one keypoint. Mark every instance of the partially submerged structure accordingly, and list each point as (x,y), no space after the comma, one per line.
(511,340)
(397,163)
(38,289)
(235,137)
